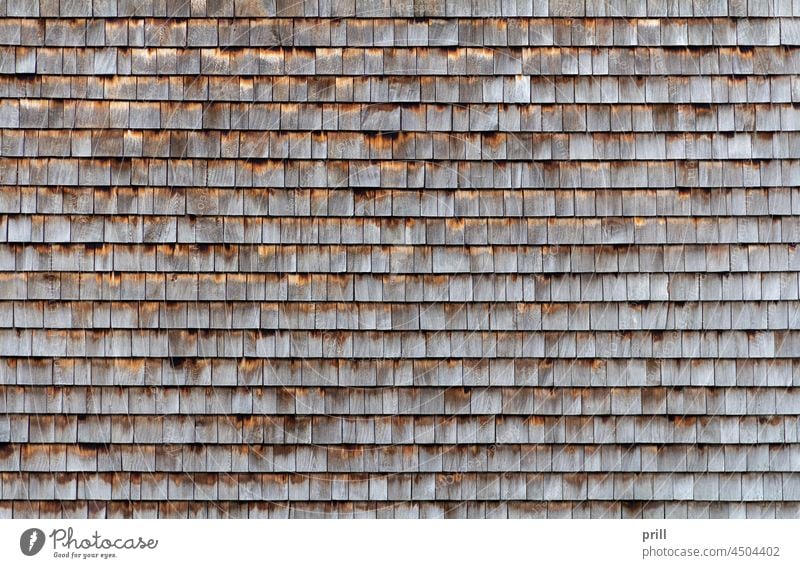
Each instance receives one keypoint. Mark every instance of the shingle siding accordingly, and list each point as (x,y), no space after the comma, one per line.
(452,258)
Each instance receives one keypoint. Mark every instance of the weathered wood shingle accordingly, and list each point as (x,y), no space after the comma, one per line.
(367,258)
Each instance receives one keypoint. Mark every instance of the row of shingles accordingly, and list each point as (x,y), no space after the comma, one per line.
(364,175)
(626,284)
(256,289)
(666,103)
(363,131)
(427,188)
(385,127)
(733,377)
(349,315)
(37,453)
(739,239)
(371,175)
(260,288)
(718,230)
(59,144)
(45,264)
(399,509)
(417,159)
(766,435)
(677,259)
(339,412)
(695,67)
(374,207)
(400,345)
(373,9)
(264,282)
(394,458)
(664,456)
(502,408)
(417,32)
(760,434)
(465,487)
(441,145)
(717,243)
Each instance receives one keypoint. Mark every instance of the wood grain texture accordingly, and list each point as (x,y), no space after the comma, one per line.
(399,259)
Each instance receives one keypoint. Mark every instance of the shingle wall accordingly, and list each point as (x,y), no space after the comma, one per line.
(399,258)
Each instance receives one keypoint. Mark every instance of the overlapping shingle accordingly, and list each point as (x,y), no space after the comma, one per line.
(372,258)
